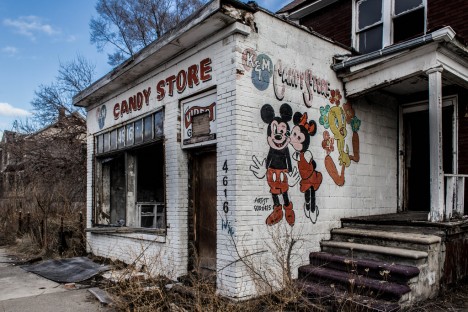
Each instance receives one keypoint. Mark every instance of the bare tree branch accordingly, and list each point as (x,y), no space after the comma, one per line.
(130,25)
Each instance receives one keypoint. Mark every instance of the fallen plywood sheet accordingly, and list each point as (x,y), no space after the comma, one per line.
(72,270)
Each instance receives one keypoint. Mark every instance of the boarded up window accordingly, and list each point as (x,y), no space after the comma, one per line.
(201,125)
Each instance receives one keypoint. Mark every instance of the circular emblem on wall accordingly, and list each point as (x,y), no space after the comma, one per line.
(101,116)
(262,72)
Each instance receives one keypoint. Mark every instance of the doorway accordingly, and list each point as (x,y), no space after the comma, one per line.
(204,210)
(417,155)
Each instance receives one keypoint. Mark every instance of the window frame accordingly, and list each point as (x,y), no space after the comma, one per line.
(388,16)
(128,149)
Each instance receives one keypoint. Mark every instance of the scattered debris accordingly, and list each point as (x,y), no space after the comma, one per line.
(70,270)
(102,295)
(69,286)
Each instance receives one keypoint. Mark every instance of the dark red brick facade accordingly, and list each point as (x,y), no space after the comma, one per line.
(453,13)
(333,22)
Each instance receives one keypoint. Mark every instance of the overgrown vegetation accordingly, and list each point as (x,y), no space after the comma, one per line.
(44,183)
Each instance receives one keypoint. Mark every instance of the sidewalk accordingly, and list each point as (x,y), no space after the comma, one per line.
(21,291)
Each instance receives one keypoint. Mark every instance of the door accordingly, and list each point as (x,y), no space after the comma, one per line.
(204,195)
(417,157)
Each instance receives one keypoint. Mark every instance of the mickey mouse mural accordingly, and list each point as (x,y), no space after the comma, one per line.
(277,165)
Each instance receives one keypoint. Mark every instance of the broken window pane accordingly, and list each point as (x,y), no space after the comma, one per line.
(158,124)
(150,174)
(138,131)
(130,135)
(370,39)
(408,25)
(148,128)
(369,12)
(121,137)
(147,215)
(100,144)
(113,140)
(106,144)
(405,5)
(112,200)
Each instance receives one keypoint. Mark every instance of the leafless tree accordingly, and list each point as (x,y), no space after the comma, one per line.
(73,77)
(130,25)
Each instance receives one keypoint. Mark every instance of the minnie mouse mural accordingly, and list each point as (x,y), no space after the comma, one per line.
(311,179)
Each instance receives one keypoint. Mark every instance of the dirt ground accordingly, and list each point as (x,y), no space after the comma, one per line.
(452,299)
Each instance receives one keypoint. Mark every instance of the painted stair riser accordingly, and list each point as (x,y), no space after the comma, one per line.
(377,256)
(367,268)
(336,297)
(381,288)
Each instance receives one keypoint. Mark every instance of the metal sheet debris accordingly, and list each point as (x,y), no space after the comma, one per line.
(72,270)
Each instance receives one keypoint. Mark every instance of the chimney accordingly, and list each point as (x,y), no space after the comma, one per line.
(61,113)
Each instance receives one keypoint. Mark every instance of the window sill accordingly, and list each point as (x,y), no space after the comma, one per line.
(158,235)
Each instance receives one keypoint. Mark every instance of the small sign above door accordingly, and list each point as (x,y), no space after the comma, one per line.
(199,120)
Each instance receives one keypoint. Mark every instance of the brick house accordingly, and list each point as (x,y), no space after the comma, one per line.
(242,127)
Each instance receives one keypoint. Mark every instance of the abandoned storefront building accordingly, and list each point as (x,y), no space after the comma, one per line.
(242,133)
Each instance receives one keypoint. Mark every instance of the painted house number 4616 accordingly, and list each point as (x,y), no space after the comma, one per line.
(225,183)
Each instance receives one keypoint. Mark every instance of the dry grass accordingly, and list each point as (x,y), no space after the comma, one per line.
(39,235)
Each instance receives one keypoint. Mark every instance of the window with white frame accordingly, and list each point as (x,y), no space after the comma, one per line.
(380,23)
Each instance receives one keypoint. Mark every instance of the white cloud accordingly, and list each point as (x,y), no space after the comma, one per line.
(30,26)
(10,50)
(70,38)
(8,110)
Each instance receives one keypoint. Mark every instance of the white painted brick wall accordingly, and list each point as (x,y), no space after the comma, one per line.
(370,186)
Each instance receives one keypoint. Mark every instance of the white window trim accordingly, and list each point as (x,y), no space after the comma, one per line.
(388,14)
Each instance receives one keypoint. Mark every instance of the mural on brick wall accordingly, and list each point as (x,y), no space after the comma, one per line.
(311,179)
(280,172)
(277,165)
(336,118)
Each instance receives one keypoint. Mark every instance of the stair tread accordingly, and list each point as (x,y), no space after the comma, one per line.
(394,251)
(325,291)
(397,270)
(425,239)
(385,288)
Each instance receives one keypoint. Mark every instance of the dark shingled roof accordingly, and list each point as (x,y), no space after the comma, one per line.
(292,5)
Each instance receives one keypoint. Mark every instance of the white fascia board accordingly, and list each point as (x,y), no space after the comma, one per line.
(388,73)
(454,65)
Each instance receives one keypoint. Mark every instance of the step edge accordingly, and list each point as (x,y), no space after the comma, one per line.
(358,280)
(391,306)
(402,270)
(391,251)
(396,236)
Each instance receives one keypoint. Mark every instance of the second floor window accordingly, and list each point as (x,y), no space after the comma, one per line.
(380,23)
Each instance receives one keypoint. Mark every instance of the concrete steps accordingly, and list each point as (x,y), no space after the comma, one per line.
(365,267)
(412,241)
(335,297)
(358,283)
(365,251)
(384,267)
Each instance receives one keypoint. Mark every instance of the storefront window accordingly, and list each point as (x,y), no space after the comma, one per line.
(129,177)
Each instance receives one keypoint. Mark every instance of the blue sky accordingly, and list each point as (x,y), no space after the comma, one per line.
(35,36)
